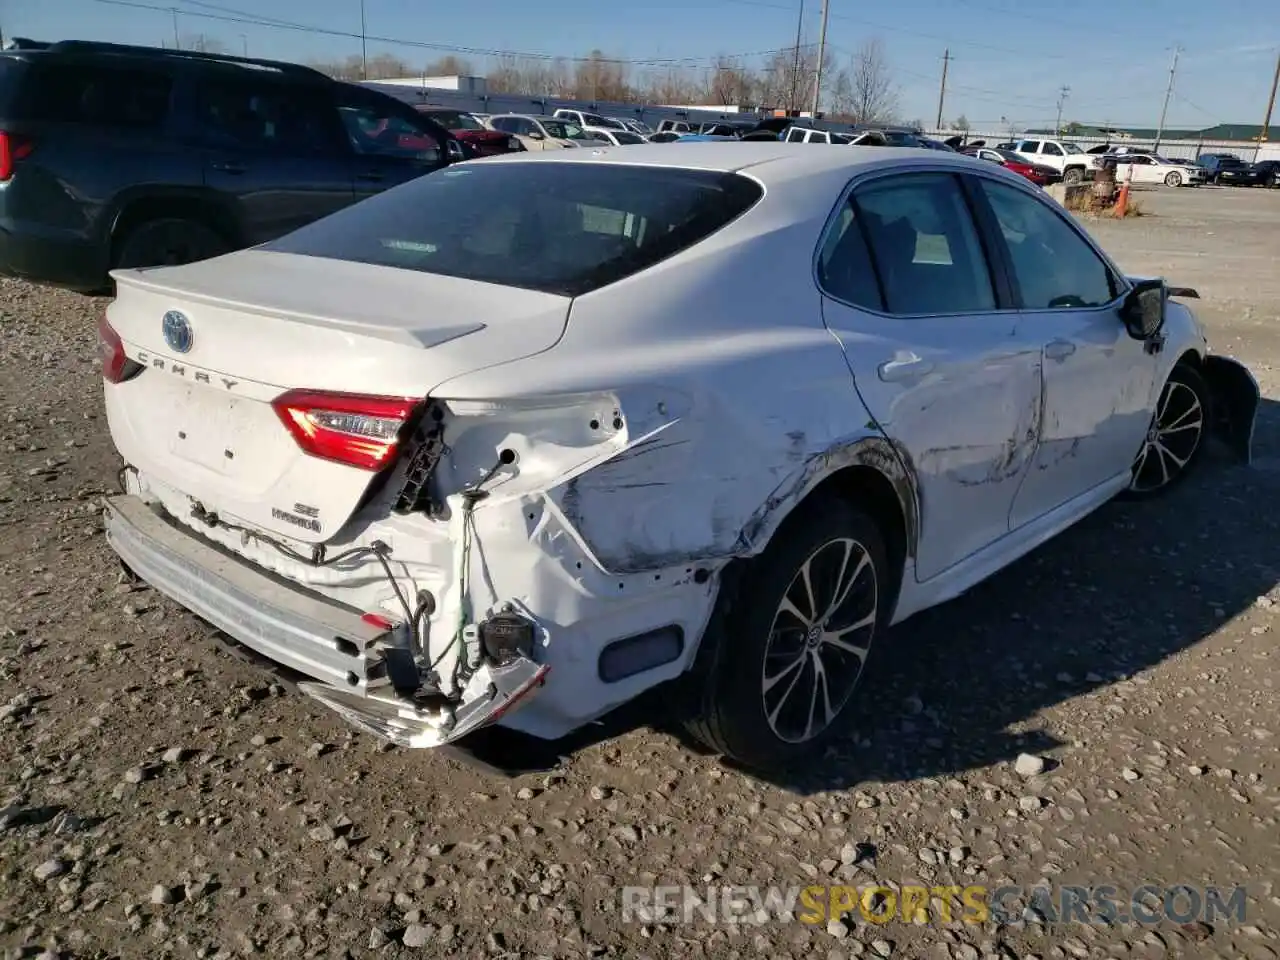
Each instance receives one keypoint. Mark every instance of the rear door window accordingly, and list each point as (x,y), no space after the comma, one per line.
(246,113)
(95,94)
(925,245)
(564,228)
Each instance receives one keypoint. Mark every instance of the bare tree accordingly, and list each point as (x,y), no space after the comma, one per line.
(600,78)
(449,66)
(382,67)
(868,87)
(961,123)
(730,83)
(782,86)
(673,85)
(203,43)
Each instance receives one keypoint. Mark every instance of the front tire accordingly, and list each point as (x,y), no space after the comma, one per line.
(1073,175)
(1174,179)
(1176,437)
(793,643)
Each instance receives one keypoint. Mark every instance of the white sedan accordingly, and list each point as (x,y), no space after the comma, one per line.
(618,138)
(1152,168)
(523,438)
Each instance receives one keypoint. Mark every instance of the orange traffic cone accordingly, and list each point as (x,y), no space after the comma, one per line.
(1122,201)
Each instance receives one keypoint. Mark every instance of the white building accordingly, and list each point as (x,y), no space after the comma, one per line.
(475,86)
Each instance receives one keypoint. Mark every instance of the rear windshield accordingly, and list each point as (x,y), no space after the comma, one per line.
(562,228)
(86,92)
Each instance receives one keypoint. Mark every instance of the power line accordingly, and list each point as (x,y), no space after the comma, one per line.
(1022,54)
(444,47)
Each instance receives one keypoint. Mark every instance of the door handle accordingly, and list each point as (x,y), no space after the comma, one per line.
(1059,349)
(228,166)
(907,368)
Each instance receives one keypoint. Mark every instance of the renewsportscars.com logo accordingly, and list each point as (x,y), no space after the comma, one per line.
(1104,904)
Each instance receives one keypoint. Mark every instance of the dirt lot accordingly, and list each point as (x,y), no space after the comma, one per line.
(159,798)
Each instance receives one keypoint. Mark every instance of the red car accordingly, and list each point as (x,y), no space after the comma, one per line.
(485,142)
(1037,173)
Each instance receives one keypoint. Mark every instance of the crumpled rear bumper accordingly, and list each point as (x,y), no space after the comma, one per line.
(344,655)
(1236,398)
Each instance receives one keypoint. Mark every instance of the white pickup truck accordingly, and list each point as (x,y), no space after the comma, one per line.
(1068,158)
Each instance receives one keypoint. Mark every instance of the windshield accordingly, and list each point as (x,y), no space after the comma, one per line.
(595,120)
(560,130)
(1009,156)
(452,120)
(560,228)
(1072,148)
(611,124)
(625,137)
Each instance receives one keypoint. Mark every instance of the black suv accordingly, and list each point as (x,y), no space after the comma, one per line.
(120,156)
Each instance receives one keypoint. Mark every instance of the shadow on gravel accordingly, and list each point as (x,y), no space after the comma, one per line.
(1122,591)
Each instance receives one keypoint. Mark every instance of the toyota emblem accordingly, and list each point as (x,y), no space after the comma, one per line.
(177,331)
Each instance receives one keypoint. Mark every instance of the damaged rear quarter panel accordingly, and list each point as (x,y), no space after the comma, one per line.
(735,397)
(708,486)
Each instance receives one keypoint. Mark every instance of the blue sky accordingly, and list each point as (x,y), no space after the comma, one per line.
(1010,59)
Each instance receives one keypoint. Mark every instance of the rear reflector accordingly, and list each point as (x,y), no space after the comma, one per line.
(347,428)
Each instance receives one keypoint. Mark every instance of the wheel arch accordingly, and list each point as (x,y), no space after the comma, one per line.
(140,206)
(870,472)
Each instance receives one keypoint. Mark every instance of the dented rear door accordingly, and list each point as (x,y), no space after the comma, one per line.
(951,379)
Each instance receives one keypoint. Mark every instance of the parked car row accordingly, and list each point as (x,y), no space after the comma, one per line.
(1229,170)
(1040,174)
(115,156)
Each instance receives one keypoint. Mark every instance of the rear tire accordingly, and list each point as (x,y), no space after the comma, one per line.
(167,242)
(792,642)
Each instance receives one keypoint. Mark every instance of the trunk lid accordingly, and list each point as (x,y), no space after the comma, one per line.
(260,324)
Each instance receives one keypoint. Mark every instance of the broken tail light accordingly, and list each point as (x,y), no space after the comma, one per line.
(351,429)
(116,365)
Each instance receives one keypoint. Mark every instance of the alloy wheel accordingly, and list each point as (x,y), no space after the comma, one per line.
(819,640)
(1172,439)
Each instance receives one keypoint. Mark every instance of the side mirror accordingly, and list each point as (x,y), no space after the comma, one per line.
(1144,308)
(536,135)
(454,152)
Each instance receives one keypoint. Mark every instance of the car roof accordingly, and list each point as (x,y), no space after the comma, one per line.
(765,159)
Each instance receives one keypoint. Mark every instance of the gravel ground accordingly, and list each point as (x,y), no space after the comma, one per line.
(160,798)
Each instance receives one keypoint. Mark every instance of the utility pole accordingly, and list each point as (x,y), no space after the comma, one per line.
(1062,98)
(822,53)
(1168,92)
(942,93)
(244,44)
(364,47)
(177,44)
(1271,102)
(792,103)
